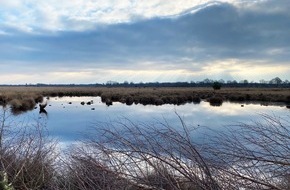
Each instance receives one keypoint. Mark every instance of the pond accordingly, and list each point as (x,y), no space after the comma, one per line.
(67,119)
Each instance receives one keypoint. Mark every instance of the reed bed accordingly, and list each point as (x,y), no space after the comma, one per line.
(25,98)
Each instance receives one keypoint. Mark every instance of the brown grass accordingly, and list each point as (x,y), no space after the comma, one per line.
(137,95)
(19,101)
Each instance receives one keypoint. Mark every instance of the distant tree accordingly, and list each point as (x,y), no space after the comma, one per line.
(244,81)
(216,85)
(276,80)
(207,81)
(262,81)
(111,82)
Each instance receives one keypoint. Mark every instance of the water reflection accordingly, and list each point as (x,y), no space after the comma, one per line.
(42,111)
(216,104)
(70,117)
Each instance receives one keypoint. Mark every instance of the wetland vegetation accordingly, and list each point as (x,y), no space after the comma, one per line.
(128,155)
(140,155)
(25,98)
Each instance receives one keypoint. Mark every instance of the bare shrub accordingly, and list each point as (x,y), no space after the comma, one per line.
(26,155)
(128,155)
(254,156)
(151,156)
(84,171)
(158,156)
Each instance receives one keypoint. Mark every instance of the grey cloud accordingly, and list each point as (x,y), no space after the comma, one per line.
(220,31)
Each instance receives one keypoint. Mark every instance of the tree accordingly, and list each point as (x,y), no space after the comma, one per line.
(216,85)
(276,81)
(244,81)
(207,81)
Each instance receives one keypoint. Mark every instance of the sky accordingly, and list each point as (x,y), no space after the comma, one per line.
(95,41)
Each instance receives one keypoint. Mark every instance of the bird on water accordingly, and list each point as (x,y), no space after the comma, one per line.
(42,107)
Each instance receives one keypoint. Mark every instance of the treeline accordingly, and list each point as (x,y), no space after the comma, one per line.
(197,84)
(273,83)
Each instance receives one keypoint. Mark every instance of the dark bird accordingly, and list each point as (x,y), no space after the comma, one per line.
(42,105)
(42,108)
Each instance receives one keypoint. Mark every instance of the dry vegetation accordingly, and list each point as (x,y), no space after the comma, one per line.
(127,155)
(25,98)
(246,156)
(27,156)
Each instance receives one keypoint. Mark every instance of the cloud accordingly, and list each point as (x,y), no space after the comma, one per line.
(220,30)
(225,38)
(80,15)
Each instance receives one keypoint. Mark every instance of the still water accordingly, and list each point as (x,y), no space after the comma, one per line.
(67,120)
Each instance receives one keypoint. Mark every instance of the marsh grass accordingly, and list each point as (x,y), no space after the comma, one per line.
(216,101)
(20,101)
(26,98)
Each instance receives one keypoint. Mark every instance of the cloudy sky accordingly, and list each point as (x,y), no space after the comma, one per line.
(94,41)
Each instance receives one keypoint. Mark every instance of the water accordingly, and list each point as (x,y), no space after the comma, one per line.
(67,120)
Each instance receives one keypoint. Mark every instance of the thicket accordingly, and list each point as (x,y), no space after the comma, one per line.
(128,155)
